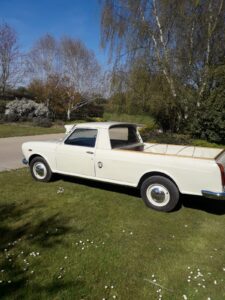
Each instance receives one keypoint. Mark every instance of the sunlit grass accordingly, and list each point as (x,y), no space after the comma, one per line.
(203,143)
(76,239)
(20,129)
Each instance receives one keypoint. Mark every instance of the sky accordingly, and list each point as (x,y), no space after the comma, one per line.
(76,18)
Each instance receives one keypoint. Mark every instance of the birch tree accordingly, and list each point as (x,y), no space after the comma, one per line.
(9,57)
(82,71)
(180,40)
(43,58)
(68,68)
(134,29)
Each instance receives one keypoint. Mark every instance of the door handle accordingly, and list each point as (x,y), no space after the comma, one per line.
(89,152)
(100,164)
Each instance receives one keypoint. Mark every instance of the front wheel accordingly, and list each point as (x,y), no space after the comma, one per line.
(40,169)
(160,193)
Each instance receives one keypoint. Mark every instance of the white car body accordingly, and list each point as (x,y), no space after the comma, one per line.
(194,170)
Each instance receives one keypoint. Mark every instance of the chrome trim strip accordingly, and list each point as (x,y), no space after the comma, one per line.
(213,195)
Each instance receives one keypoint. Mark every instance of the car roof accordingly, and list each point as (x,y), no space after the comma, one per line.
(105,125)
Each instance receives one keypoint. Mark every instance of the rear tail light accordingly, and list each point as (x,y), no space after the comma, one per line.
(222,173)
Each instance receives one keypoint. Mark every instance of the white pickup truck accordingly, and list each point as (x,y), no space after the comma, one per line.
(114,152)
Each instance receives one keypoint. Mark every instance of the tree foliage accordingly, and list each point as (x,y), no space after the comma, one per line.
(79,65)
(43,59)
(63,72)
(209,121)
(180,45)
(56,92)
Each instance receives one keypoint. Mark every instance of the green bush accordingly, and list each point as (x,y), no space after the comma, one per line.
(2,118)
(42,122)
(209,119)
(210,124)
(96,119)
(2,106)
(151,135)
(148,130)
(203,143)
(167,138)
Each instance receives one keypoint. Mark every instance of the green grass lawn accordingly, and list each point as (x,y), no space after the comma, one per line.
(19,129)
(77,239)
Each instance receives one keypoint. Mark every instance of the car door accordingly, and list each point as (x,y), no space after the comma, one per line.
(119,166)
(75,155)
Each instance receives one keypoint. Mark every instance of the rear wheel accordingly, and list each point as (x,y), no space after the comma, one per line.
(160,193)
(40,169)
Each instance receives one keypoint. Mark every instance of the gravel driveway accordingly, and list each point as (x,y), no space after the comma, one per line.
(11,153)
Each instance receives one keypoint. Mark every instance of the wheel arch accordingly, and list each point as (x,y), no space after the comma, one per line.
(156,173)
(38,155)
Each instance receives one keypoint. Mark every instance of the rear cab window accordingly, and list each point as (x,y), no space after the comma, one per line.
(123,136)
(83,137)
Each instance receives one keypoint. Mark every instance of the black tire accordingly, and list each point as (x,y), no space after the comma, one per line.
(160,193)
(44,169)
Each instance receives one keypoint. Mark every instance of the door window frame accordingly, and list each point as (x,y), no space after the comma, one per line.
(83,128)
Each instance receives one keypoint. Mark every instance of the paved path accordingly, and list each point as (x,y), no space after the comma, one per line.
(11,153)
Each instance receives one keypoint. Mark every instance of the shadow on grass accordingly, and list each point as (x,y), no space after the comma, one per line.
(16,279)
(46,232)
(121,189)
(55,286)
(216,207)
(77,287)
(18,225)
(48,291)
(50,231)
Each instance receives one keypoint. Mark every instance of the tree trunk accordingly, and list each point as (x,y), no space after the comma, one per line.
(68,114)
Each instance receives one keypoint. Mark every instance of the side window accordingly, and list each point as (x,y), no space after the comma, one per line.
(82,137)
(123,136)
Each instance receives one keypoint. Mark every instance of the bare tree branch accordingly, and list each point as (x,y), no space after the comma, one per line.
(9,57)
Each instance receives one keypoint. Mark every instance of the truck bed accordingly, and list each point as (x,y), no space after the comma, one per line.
(177,150)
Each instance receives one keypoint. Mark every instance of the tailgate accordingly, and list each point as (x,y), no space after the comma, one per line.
(221,158)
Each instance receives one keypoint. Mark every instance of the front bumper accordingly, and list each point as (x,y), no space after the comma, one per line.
(213,195)
(24,161)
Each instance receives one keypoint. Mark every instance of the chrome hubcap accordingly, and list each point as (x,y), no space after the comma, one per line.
(39,170)
(158,195)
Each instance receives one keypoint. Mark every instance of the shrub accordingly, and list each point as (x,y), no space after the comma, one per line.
(2,106)
(148,131)
(95,119)
(209,121)
(42,122)
(92,110)
(25,110)
(11,117)
(210,124)
(155,136)
(59,122)
(41,111)
(2,118)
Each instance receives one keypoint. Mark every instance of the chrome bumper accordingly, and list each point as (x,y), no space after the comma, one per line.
(214,195)
(24,161)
